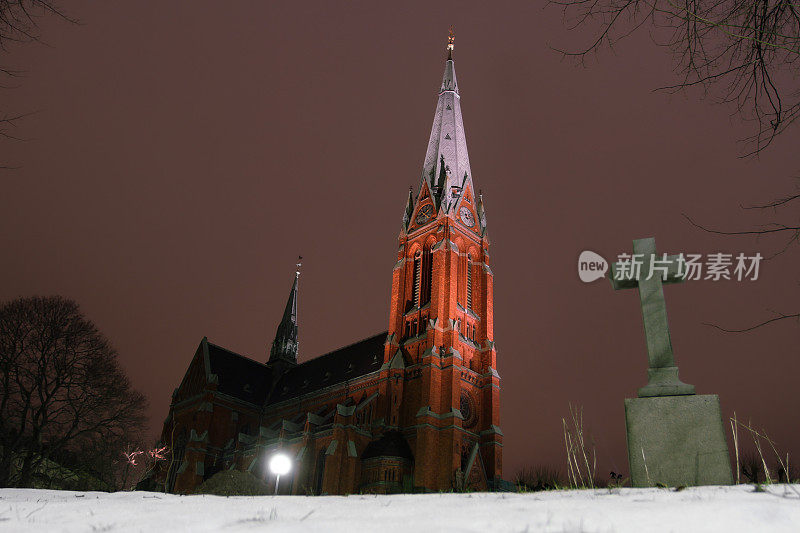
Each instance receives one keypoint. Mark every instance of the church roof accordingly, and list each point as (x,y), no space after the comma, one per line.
(239,376)
(446,160)
(349,362)
(250,381)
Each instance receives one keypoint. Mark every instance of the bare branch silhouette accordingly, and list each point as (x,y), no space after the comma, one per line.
(19,24)
(770,228)
(755,326)
(742,52)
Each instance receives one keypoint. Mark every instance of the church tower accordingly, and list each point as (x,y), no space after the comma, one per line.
(441,387)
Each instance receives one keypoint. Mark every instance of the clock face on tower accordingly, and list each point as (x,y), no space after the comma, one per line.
(425,213)
(466,217)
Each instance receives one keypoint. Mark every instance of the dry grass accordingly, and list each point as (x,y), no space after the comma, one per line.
(580,473)
(751,464)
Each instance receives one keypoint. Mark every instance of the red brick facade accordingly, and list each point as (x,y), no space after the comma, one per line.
(414,409)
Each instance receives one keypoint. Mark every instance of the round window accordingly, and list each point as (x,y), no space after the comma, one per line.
(467,409)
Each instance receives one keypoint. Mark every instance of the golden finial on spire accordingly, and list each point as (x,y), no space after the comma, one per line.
(451,39)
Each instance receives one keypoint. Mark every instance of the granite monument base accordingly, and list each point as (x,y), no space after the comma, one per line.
(677,440)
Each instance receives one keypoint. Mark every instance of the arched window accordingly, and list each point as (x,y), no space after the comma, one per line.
(213,464)
(176,460)
(417,278)
(469,282)
(320,473)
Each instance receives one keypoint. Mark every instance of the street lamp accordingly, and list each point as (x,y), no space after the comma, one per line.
(279,464)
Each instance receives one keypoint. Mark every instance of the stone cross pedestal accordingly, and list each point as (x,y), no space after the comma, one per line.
(674,436)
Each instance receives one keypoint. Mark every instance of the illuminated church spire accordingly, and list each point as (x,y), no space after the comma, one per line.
(446,167)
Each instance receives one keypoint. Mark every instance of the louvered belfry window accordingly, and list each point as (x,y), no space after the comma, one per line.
(417,277)
(427,275)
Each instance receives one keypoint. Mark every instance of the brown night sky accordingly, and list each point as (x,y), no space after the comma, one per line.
(183,154)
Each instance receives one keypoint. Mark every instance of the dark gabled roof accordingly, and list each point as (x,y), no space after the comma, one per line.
(239,376)
(250,381)
(391,444)
(346,363)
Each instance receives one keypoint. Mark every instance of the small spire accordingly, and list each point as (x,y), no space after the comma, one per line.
(409,208)
(284,347)
(481,210)
(451,39)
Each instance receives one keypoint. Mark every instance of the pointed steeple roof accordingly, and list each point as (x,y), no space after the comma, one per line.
(284,347)
(290,312)
(446,168)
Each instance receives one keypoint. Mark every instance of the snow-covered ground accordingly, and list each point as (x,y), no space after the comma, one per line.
(724,509)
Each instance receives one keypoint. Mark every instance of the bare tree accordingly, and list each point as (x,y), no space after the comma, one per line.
(742,51)
(62,390)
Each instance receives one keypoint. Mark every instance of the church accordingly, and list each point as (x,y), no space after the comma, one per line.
(415,408)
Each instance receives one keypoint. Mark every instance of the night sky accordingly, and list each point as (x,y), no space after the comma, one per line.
(183,154)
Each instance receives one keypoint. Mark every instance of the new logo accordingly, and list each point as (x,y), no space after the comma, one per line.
(591,266)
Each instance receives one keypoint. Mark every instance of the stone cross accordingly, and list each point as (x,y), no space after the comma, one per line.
(648,272)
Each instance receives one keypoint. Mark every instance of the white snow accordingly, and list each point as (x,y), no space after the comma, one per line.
(728,509)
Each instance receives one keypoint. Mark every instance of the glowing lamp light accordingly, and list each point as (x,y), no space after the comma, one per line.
(280,464)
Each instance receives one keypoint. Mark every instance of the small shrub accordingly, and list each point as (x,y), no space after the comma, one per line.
(536,478)
(793,475)
(233,483)
(616,481)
